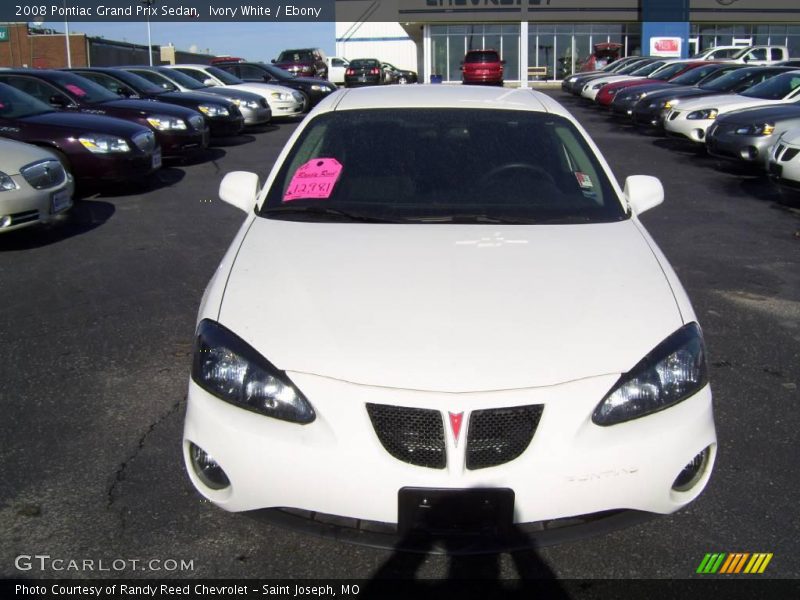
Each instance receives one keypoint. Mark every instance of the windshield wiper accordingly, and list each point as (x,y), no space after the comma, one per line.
(323,211)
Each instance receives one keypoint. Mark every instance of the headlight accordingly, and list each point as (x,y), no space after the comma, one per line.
(320,88)
(281,96)
(670,373)
(213,110)
(101,143)
(229,368)
(6,183)
(571,79)
(597,86)
(671,103)
(759,129)
(251,104)
(164,123)
(706,113)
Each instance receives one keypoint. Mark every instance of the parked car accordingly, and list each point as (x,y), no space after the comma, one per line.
(747,135)
(659,77)
(761,55)
(35,188)
(314,90)
(652,111)
(603,54)
(303,62)
(479,353)
(364,71)
(574,83)
(92,147)
(694,116)
(592,88)
(179,131)
(401,76)
(784,159)
(718,52)
(482,66)
(228,110)
(336,69)
(284,102)
(625,98)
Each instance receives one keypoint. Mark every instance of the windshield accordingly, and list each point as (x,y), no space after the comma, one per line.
(277,72)
(695,75)
(442,165)
(182,79)
(483,56)
(633,67)
(140,84)
(295,56)
(740,53)
(668,71)
(364,63)
(81,88)
(15,104)
(647,69)
(729,80)
(223,76)
(774,88)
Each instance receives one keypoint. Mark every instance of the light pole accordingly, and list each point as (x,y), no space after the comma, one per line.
(66,35)
(148,4)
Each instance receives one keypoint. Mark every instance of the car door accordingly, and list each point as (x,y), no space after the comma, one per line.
(337,70)
(41,90)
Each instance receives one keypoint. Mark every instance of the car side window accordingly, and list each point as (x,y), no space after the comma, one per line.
(776,53)
(38,89)
(249,73)
(157,79)
(338,62)
(109,83)
(758,54)
(196,75)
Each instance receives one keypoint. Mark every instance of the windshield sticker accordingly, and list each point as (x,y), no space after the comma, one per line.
(75,90)
(584,180)
(315,179)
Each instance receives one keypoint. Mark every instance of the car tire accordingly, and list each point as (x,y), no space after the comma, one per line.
(306,101)
(402,80)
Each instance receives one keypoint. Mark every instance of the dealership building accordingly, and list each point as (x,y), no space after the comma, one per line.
(549,39)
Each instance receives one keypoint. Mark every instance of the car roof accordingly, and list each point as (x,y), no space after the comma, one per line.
(446,96)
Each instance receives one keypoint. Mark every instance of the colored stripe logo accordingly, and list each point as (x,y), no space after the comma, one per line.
(734,563)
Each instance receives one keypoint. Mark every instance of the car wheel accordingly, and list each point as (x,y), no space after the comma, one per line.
(402,80)
(306,101)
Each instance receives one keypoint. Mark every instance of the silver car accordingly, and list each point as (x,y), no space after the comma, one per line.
(34,186)
(747,135)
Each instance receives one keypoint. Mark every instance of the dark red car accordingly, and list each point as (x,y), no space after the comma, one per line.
(178,130)
(482,66)
(666,73)
(92,147)
(303,62)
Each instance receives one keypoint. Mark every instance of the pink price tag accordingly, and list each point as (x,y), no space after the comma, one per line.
(79,92)
(315,179)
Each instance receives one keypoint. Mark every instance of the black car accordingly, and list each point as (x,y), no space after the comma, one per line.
(649,112)
(92,147)
(314,89)
(400,76)
(364,71)
(218,113)
(178,130)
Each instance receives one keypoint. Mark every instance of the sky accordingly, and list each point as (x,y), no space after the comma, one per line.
(250,40)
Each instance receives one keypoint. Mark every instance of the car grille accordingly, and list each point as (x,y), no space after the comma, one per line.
(44,174)
(413,435)
(673,115)
(23,217)
(416,436)
(145,141)
(498,436)
(197,122)
(263,103)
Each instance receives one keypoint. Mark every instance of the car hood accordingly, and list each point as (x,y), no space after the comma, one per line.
(83,122)
(262,89)
(725,102)
(451,308)
(148,107)
(763,113)
(18,154)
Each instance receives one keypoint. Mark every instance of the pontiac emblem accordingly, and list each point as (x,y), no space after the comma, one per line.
(455,424)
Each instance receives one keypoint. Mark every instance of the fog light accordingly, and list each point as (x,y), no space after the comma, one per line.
(701,133)
(692,472)
(749,153)
(207,469)
(5,221)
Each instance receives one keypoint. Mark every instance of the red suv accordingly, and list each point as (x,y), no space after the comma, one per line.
(482,66)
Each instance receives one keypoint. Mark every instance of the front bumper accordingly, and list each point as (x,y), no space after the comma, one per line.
(256,116)
(732,146)
(695,130)
(29,206)
(225,126)
(784,165)
(337,465)
(285,108)
(180,143)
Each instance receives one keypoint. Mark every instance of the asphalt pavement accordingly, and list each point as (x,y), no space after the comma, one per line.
(96,324)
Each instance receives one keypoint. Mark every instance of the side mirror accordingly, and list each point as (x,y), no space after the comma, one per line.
(643,192)
(240,189)
(210,82)
(59,101)
(273,61)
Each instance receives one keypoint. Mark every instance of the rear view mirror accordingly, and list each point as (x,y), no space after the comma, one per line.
(240,189)
(643,192)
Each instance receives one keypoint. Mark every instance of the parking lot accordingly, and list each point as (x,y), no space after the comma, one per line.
(97,322)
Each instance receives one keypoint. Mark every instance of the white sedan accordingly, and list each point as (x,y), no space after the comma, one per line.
(34,186)
(283,101)
(591,89)
(442,313)
(784,159)
(693,117)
